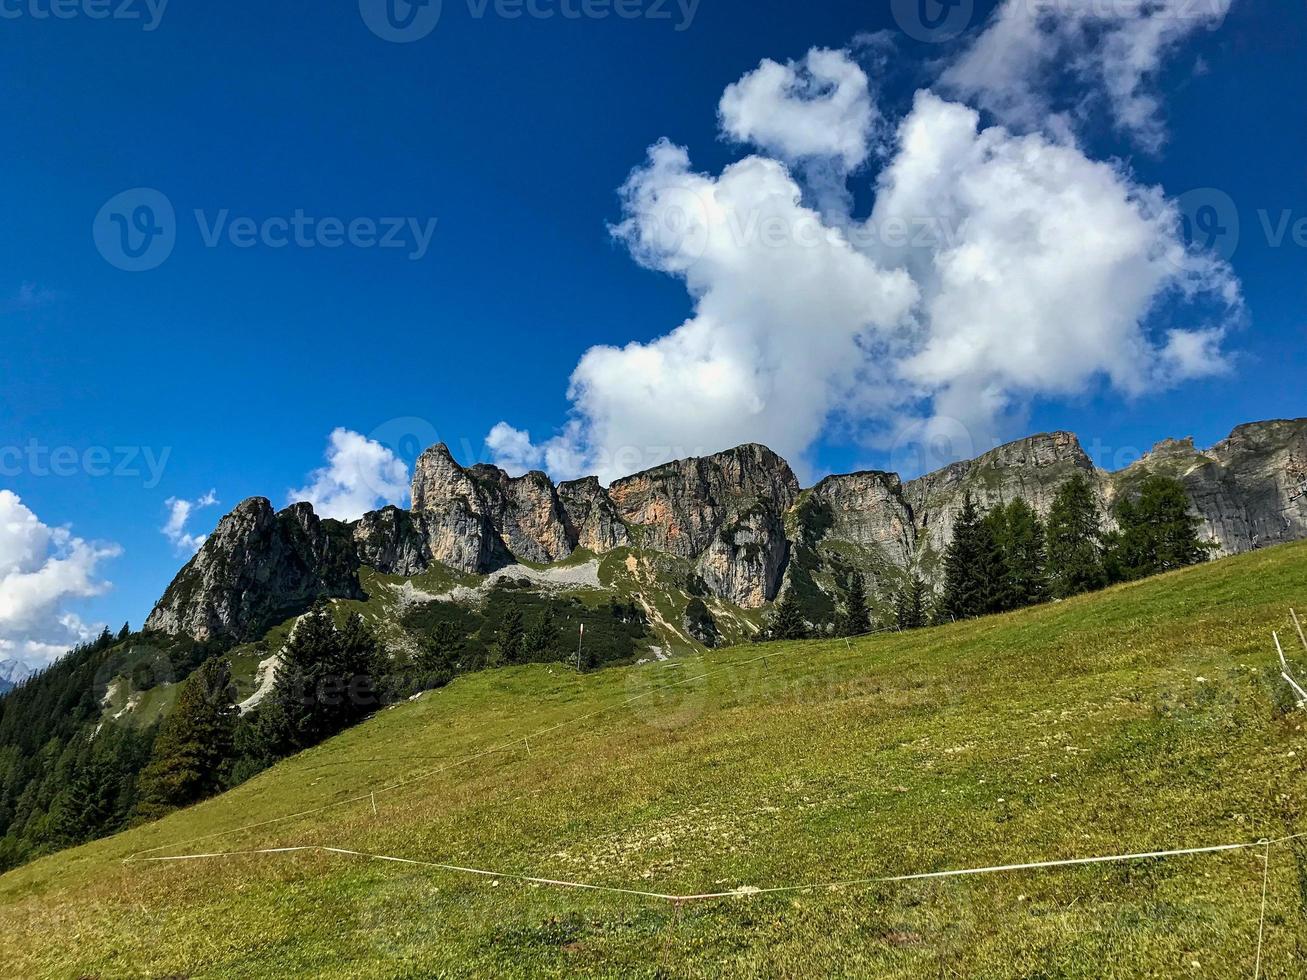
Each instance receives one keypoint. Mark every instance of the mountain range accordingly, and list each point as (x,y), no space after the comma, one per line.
(735,528)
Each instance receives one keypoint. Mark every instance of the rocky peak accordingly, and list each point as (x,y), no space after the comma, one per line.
(256,569)
(592,521)
(1033,468)
(526,514)
(682,505)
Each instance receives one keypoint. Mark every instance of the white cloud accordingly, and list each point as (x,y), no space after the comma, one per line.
(1041,272)
(179,515)
(1103,50)
(818,107)
(41,569)
(512,450)
(360,476)
(997,266)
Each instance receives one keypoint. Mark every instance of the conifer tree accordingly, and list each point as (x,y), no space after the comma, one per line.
(1158,533)
(437,658)
(195,745)
(975,574)
(540,637)
(359,667)
(510,636)
(856,617)
(1075,540)
(788,623)
(1022,538)
(328,677)
(910,611)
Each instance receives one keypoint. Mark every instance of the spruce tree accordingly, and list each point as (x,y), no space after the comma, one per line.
(320,669)
(510,636)
(975,574)
(1022,537)
(195,745)
(540,637)
(359,667)
(910,605)
(1075,540)
(788,623)
(856,618)
(1158,533)
(437,658)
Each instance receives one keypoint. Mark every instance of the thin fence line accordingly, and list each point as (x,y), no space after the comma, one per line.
(746,891)
(408,781)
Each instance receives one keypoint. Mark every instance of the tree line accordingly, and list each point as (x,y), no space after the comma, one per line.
(1008,558)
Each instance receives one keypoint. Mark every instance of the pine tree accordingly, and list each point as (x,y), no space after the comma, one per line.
(437,659)
(788,623)
(195,745)
(540,637)
(509,636)
(1158,533)
(856,617)
(1022,537)
(910,605)
(975,574)
(1075,540)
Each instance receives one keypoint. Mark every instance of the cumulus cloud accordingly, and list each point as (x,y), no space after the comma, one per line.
(1112,51)
(1039,268)
(360,476)
(997,265)
(42,568)
(818,107)
(179,515)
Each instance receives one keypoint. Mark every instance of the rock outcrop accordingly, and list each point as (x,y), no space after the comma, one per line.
(1033,469)
(393,541)
(255,570)
(725,512)
(454,514)
(1250,490)
(735,523)
(592,521)
(525,514)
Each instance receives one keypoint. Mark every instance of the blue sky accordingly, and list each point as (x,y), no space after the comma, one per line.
(227,368)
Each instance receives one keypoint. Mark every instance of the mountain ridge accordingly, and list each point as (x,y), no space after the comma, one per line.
(738,521)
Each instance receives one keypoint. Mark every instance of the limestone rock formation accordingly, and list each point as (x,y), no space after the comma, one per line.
(725,511)
(1034,469)
(735,522)
(257,569)
(592,521)
(392,541)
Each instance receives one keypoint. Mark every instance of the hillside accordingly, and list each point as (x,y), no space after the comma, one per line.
(1148,717)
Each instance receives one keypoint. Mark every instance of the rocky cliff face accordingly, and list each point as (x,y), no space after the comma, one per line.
(1033,468)
(255,570)
(725,512)
(1250,490)
(592,519)
(737,518)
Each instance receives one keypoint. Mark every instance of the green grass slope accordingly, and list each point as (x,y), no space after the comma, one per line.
(1148,717)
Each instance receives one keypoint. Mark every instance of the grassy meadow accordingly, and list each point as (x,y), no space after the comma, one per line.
(1148,717)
